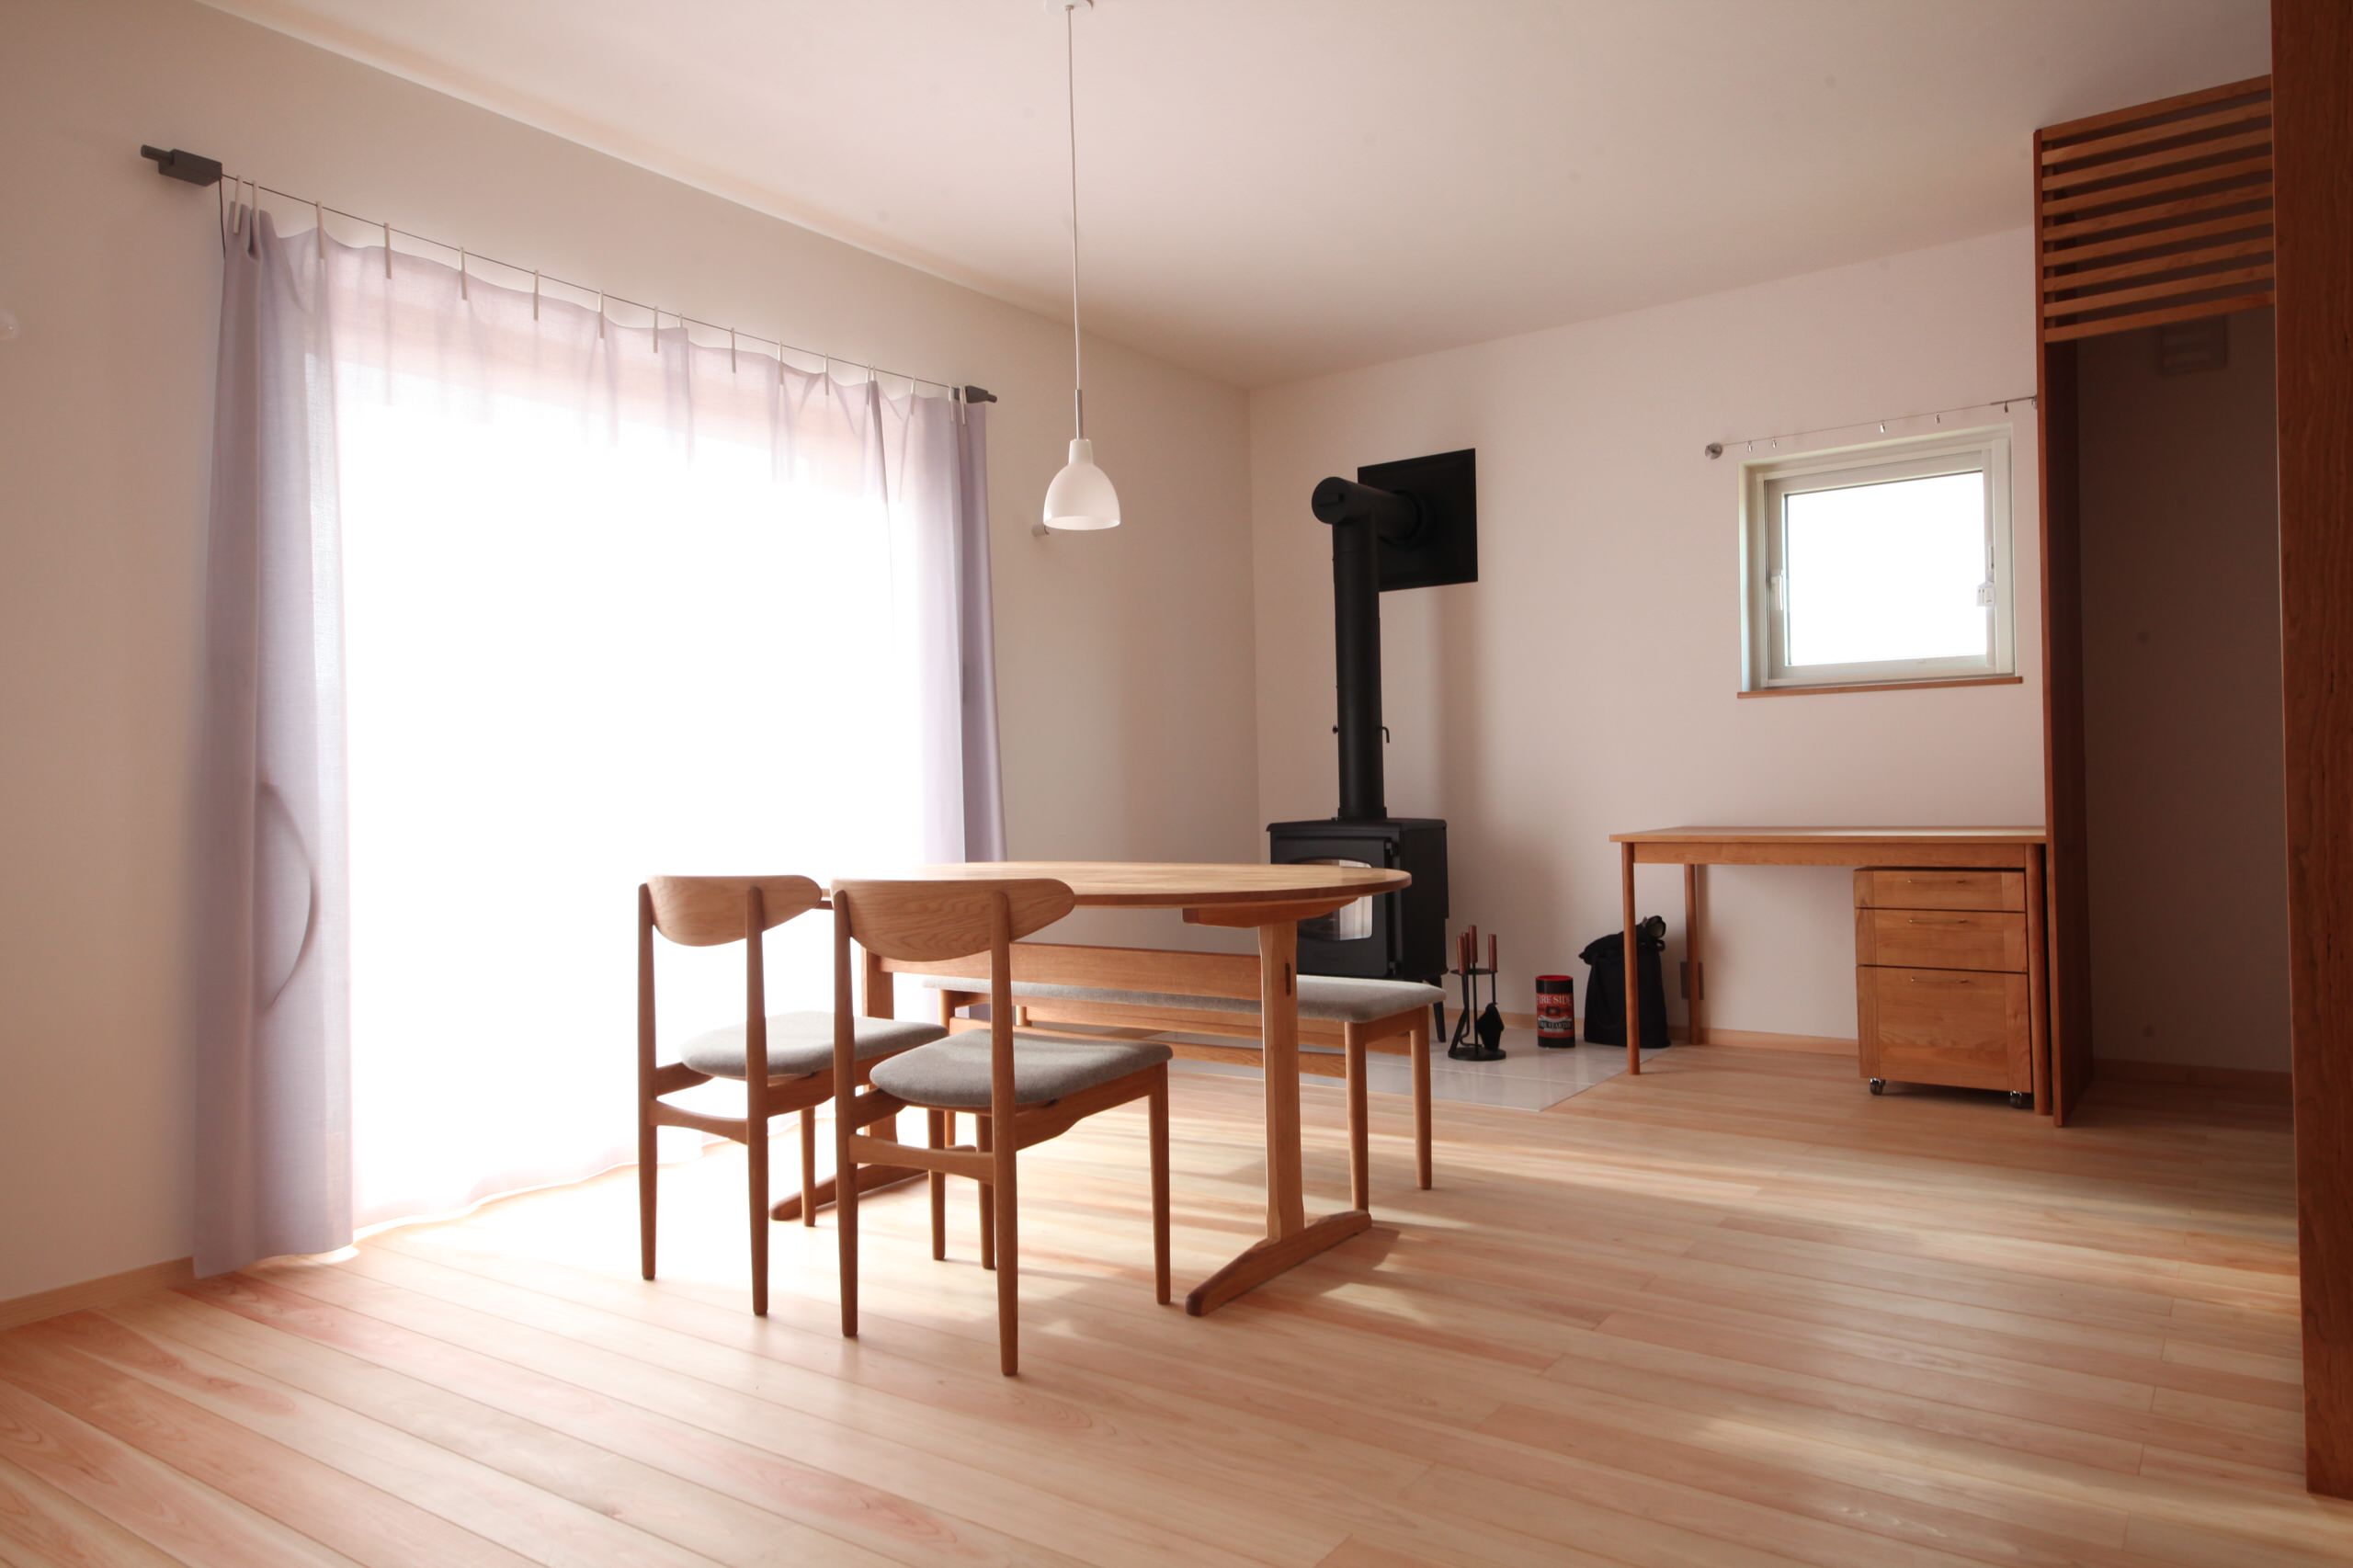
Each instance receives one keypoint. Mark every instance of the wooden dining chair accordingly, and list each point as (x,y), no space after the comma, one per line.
(1022,1089)
(786,1061)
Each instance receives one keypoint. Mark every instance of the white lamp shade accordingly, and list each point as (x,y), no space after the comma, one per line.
(1081,495)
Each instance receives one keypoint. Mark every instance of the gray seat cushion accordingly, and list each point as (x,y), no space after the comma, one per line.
(953,1074)
(1320,997)
(803,1043)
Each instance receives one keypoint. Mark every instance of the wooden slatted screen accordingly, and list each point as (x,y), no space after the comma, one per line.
(2157,213)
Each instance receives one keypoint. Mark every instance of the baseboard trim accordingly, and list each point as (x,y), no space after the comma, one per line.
(1756,1039)
(92,1294)
(1762,1040)
(2268,1080)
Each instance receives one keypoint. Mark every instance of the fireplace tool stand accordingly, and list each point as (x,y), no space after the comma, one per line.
(1478,1033)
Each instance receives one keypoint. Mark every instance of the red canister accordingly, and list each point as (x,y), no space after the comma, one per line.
(1556,1010)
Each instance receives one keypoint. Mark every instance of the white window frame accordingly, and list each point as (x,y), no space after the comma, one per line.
(1765,615)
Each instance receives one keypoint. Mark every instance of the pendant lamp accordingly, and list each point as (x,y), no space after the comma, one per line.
(1082,496)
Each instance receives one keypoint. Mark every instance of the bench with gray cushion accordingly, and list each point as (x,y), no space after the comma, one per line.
(1391,1016)
(803,1043)
(1323,996)
(953,1074)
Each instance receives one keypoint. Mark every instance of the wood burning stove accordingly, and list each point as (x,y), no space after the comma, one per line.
(1397,935)
(1401,525)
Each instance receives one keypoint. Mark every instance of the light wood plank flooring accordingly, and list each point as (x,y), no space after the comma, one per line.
(1737,1312)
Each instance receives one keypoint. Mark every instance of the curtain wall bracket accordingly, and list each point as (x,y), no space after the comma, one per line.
(181,165)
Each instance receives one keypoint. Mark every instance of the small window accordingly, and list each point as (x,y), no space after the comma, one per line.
(1880,566)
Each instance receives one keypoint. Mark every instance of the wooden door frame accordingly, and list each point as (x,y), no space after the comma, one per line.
(2311,136)
(2312,50)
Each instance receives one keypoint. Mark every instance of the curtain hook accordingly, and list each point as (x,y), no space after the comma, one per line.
(657,331)
(388,251)
(535,293)
(600,315)
(237,206)
(731,350)
(319,227)
(461,274)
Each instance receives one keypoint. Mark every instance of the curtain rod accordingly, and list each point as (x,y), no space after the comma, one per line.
(180,165)
(1716,449)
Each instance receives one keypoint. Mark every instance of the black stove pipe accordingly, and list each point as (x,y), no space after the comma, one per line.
(1360,517)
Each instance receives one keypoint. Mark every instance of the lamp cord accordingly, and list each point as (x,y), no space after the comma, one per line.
(1070,100)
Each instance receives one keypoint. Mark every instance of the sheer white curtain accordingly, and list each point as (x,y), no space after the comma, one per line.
(612,603)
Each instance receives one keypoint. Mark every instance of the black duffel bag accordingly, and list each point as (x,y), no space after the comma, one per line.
(1605,987)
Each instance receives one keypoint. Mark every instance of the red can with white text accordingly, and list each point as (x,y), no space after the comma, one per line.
(1556,1010)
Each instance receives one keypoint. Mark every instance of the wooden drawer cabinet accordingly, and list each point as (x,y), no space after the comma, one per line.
(1940,980)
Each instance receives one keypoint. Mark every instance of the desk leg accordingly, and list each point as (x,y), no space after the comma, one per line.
(1695,971)
(1633,986)
(1291,1239)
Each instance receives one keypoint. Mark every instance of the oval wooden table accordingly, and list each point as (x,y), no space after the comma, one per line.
(1271,901)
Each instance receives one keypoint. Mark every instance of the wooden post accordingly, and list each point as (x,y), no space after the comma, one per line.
(2312,53)
(1278,1017)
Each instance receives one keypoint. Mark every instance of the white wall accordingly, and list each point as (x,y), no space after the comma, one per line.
(1125,659)
(2184,758)
(1584,685)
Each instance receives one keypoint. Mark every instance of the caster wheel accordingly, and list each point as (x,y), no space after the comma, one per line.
(2020,1099)
(1878,1085)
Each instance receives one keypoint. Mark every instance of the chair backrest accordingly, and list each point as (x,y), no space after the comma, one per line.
(703,911)
(922,920)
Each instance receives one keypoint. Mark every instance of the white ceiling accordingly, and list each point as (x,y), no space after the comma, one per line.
(1275,188)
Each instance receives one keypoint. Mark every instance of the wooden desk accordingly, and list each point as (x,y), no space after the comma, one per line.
(1272,901)
(1695,849)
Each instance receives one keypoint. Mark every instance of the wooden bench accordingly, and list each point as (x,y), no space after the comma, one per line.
(1213,994)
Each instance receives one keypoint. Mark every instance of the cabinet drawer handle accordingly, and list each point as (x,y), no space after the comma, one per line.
(1915,980)
(1949,920)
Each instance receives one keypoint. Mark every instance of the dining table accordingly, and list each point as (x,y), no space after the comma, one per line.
(1270,900)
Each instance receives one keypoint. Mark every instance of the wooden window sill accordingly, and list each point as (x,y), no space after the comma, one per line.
(1883,686)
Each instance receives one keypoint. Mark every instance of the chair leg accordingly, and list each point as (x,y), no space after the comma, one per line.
(1009,1269)
(1420,1042)
(845,1212)
(982,1140)
(941,1123)
(649,1176)
(755,1154)
(809,1164)
(1359,1134)
(1159,1109)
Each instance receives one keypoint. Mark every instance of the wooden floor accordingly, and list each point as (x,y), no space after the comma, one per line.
(1734,1311)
